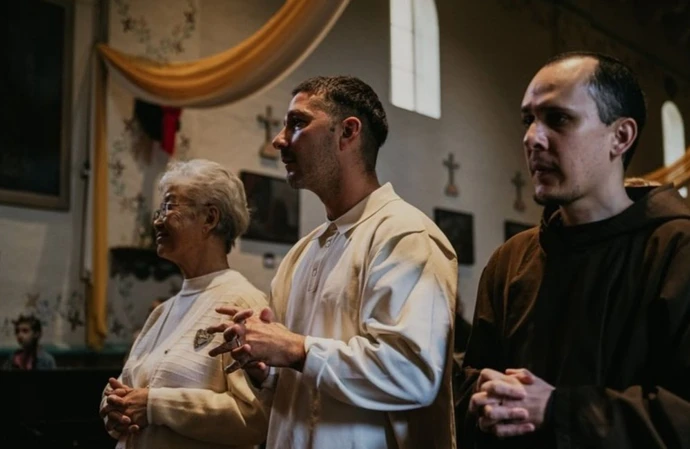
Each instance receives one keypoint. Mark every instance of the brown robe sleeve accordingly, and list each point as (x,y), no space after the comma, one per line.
(483,350)
(655,414)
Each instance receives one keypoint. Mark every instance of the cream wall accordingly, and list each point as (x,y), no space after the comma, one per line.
(489,51)
(476,103)
(40,256)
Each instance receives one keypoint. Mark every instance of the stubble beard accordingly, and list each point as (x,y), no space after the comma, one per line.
(323,177)
(557,199)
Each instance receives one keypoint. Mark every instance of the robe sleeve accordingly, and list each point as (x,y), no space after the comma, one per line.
(113,433)
(234,417)
(150,320)
(265,390)
(406,322)
(652,415)
(483,350)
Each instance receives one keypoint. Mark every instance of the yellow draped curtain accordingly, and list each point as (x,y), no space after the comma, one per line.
(677,173)
(255,64)
(260,61)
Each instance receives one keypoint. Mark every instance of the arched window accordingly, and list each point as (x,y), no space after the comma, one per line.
(415,60)
(674,135)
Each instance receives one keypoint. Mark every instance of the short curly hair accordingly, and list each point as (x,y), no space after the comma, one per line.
(346,96)
(33,322)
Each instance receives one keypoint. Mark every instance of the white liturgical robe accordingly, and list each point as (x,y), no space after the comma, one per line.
(374,291)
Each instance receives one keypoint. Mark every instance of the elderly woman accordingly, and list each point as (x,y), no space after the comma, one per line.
(171,393)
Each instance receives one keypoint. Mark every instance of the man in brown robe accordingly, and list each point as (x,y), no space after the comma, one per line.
(581,334)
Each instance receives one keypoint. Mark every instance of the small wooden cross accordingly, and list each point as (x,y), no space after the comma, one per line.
(518,182)
(269,122)
(451,165)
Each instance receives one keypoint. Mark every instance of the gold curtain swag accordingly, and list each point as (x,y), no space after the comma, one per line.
(255,64)
(677,173)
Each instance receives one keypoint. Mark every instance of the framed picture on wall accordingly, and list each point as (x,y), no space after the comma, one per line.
(274,207)
(513,227)
(459,229)
(36,40)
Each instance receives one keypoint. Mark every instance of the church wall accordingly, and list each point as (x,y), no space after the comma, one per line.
(477,101)
(40,250)
(164,31)
(489,52)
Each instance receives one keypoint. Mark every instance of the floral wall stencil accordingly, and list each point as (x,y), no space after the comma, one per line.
(53,310)
(7,331)
(160,31)
(130,199)
(158,46)
(129,299)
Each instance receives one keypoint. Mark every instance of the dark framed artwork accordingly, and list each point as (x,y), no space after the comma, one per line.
(36,40)
(459,229)
(510,228)
(274,206)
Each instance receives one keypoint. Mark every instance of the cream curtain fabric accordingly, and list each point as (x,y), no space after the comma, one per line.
(257,63)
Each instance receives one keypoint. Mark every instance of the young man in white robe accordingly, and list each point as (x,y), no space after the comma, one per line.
(356,351)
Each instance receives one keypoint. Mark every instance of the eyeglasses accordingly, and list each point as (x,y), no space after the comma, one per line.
(164,209)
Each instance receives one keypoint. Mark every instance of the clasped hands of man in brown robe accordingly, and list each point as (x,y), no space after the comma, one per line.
(511,403)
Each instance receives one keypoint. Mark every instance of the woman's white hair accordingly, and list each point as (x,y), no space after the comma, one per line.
(208,183)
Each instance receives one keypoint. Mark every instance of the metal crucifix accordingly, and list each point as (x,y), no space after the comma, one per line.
(451,165)
(269,123)
(518,182)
